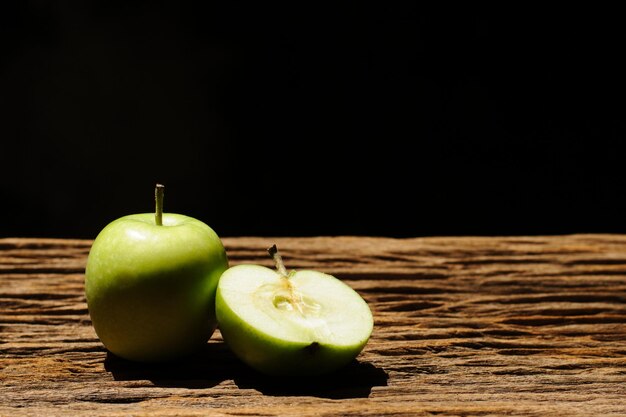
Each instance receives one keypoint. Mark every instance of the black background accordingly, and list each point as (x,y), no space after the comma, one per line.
(309,120)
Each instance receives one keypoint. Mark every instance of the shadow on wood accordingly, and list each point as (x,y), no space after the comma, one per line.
(205,369)
(353,381)
(215,364)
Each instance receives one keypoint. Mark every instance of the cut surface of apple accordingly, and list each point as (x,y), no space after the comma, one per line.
(305,322)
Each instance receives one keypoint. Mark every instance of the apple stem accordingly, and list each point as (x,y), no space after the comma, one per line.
(280,266)
(159,191)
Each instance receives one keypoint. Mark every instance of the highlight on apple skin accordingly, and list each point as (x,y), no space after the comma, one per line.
(291,323)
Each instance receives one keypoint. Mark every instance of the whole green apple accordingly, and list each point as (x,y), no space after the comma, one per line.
(150,284)
(297,323)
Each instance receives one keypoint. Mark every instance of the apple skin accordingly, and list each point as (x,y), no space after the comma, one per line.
(278,356)
(151,288)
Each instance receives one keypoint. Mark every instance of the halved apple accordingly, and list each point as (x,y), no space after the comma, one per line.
(297,323)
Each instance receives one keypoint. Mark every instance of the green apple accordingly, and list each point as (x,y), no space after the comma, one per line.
(150,284)
(297,323)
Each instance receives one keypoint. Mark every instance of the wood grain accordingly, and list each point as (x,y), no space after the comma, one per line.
(463,326)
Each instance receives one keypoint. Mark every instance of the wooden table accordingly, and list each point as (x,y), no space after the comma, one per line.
(463,326)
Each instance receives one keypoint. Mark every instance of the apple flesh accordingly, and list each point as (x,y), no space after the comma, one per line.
(150,288)
(301,323)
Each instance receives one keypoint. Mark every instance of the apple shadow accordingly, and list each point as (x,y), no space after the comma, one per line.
(205,369)
(355,380)
(215,363)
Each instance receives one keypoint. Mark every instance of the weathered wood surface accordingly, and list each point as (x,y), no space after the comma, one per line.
(463,326)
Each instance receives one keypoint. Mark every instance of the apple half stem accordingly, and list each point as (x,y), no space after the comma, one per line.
(280,266)
(293,297)
(159,192)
